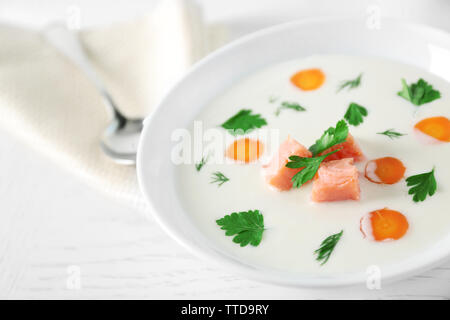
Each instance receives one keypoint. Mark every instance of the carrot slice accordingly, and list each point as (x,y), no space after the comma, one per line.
(436,127)
(310,79)
(245,150)
(386,170)
(384,224)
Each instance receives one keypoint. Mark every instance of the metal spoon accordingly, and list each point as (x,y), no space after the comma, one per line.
(120,138)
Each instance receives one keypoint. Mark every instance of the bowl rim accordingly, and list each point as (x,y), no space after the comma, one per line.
(231,263)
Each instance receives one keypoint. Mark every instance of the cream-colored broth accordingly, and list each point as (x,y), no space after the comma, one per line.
(295,225)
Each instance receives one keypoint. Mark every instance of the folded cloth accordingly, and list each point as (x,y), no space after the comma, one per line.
(49,103)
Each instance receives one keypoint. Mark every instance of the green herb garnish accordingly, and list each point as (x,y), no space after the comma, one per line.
(289,105)
(247,227)
(418,93)
(272,99)
(327,246)
(243,122)
(330,137)
(422,185)
(199,165)
(219,178)
(309,165)
(355,114)
(350,84)
(392,134)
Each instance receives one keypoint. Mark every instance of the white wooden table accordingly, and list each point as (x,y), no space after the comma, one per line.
(54,230)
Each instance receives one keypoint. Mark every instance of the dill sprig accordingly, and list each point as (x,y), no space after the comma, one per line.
(350,84)
(219,178)
(273,98)
(289,105)
(327,246)
(392,134)
(199,165)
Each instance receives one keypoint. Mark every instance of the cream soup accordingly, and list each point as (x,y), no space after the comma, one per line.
(294,225)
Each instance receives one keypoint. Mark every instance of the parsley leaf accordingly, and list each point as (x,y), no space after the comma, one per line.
(309,165)
(418,93)
(327,246)
(219,178)
(330,137)
(392,134)
(247,227)
(422,185)
(350,84)
(406,91)
(243,122)
(355,114)
(289,105)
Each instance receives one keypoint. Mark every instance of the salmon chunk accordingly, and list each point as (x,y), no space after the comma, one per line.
(350,149)
(336,180)
(276,173)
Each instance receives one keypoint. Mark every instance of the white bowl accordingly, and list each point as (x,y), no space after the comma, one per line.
(417,45)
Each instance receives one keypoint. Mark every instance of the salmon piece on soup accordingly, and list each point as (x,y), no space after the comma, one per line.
(276,174)
(350,149)
(336,180)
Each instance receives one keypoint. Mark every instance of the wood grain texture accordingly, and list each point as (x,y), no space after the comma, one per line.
(49,221)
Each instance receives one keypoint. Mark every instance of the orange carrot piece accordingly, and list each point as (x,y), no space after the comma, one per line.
(436,127)
(310,79)
(387,170)
(245,150)
(384,224)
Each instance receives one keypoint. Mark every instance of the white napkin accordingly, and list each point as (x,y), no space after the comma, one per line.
(48,102)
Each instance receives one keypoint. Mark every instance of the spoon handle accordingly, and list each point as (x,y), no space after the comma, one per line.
(68,43)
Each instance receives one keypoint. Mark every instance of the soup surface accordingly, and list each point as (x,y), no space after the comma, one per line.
(294,225)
